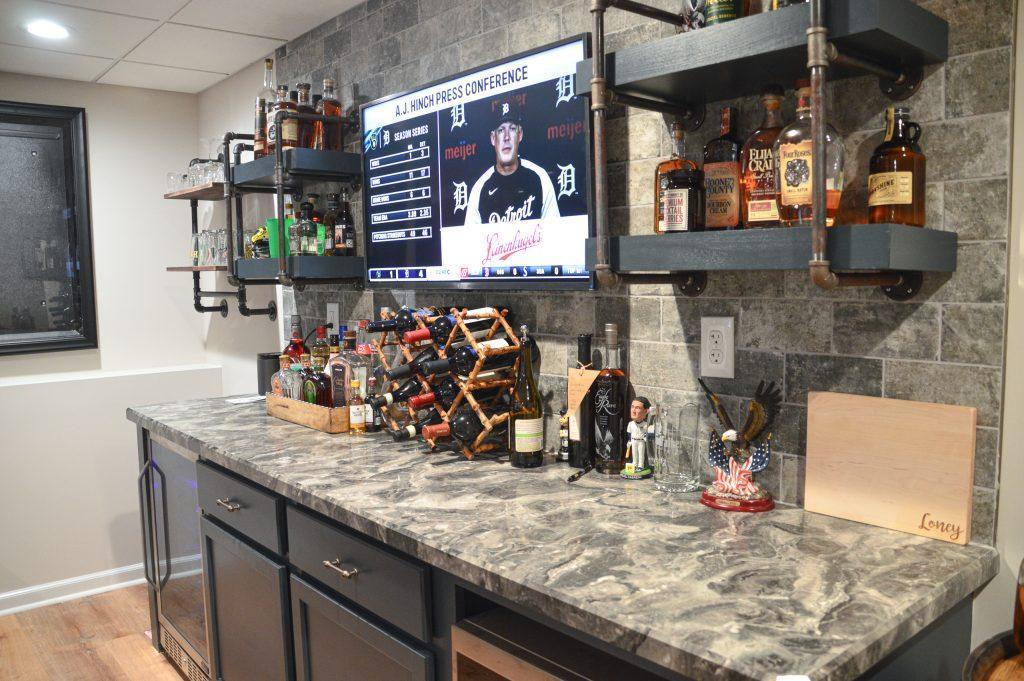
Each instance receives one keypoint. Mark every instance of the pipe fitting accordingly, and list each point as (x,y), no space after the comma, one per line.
(822,276)
(606,278)
(817,47)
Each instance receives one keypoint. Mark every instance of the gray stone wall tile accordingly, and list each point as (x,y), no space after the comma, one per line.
(664,364)
(976,209)
(909,331)
(968,386)
(986,457)
(534,30)
(789,434)
(972,334)
(980,25)
(980,275)
(794,469)
(399,15)
(983,516)
(965,148)
(566,315)
(978,83)
(484,48)
(502,12)
(680,317)
(438,64)
(635,137)
(751,368)
(802,326)
(337,45)
(828,373)
(858,103)
(757,284)
(554,354)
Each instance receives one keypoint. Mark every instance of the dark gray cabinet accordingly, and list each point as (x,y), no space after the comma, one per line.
(333,642)
(247,609)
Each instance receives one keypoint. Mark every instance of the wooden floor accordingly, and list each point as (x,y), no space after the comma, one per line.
(100,637)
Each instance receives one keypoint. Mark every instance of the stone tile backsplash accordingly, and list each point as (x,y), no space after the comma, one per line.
(945,346)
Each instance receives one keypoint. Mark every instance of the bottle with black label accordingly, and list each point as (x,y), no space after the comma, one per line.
(722,176)
(897,173)
(609,408)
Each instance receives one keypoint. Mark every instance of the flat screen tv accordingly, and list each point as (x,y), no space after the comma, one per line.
(481,180)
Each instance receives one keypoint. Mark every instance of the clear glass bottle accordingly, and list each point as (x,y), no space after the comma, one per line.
(296,347)
(295,382)
(328,136)
(526,431)
(356,413)
(609,408)
(307,230)
(289,133)
(264,101)
(760,205)
(676,161)
(792,152)
(320,346)
(279,381)
(896,180)
(722,176)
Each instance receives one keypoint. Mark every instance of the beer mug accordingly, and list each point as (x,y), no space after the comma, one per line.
(677,454)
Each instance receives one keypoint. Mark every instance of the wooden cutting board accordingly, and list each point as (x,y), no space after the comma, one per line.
(908,466)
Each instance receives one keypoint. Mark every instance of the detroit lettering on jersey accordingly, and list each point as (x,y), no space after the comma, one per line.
(511,198)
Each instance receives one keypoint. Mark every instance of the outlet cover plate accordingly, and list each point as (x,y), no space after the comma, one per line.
(718,347)
(333,315)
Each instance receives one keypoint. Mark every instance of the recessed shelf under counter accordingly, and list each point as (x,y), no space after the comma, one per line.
(873,248)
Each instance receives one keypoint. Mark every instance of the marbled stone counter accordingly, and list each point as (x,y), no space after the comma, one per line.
(708,594)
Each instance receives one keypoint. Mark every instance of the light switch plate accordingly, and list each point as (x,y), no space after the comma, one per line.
(718,347)
(333,315)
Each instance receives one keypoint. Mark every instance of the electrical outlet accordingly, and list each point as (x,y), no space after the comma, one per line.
(718,347)
(333,315)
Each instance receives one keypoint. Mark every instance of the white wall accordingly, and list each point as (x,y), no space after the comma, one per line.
(233,342)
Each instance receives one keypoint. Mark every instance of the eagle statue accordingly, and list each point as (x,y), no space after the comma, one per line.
(737,454)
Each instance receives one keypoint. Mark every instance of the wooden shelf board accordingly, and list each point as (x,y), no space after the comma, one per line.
(882,247)
(299,165)
(304,267)
(211,191)
(199,268)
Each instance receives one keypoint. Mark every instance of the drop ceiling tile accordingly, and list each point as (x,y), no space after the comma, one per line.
(33,62)
(149,9)
(285,20)
(201,48)
(159,77)
(96,34)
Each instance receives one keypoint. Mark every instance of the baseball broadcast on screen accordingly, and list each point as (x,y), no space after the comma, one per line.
(483,177)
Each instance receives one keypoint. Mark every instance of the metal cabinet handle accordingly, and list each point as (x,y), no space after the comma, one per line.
(144,513)
(228,504)
(336,566)
(162,581)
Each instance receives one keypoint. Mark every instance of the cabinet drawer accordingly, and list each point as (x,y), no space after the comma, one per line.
(242,506)
(383,582)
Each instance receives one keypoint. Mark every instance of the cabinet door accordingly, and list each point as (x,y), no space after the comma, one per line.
(333,642)
(247,598)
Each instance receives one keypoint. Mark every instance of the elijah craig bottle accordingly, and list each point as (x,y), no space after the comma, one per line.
(609,408)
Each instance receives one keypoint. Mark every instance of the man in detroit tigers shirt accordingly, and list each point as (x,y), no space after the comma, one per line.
(513,189)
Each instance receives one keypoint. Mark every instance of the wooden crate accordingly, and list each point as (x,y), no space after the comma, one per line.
(324,419)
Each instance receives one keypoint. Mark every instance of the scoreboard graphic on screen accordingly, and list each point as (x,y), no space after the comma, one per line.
(482,177)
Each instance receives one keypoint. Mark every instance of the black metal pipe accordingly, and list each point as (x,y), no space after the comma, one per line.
(865,65)
(651,105)
(647,11)
(243,306)
(599,110)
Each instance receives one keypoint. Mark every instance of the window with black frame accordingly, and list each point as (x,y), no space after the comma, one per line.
(46,284)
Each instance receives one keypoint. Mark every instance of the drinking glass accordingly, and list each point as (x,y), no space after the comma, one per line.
(222,247)
(677,454)
(193,255)
(173,182)
(195,174)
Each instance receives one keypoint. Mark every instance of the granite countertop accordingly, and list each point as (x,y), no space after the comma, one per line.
(702,592)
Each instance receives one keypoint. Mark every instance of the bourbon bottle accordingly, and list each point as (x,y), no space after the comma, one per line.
(759,205)
(328,135)
(609,393)
(897,173)
(288,135)
(677,161)
(793,166)
(305,107)
(722,176)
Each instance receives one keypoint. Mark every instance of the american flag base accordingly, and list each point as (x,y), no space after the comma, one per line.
(730,502)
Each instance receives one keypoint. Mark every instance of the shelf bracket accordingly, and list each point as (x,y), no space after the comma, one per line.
(907,287)
(243,308)
(690,116)
(896,84)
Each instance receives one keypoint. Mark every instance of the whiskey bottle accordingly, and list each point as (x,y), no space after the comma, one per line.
(897,173)
(609,408)
(328,135)
(356,415)
(259,134)
(320,346)
(289,133)
(722,176)
(305,106)
(348,225)
(677,161)
(332,226)
(793,162)
(759,205)
(721,11)
(526,431)
(296,347)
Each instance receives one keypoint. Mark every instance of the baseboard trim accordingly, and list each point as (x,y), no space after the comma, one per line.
(70,589)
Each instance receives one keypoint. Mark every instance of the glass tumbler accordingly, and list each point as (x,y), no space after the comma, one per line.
(677,454)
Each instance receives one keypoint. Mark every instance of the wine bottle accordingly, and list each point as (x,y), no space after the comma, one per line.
(412,368)
(526,448)
(581,421)
(441,328)
(609,408)
(465,358)
(402,394)
(413,429)
(444,394)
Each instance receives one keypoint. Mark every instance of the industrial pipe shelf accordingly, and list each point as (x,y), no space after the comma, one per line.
(303,268)
(740,57)
(211,191)
(199,268)
(299,165)
(851,248)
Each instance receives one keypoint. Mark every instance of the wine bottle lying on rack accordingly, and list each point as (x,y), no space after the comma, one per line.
(465,358)
(404,320)
(464,426)
(441,328)
(412,368)
(413,429)
(445,392)
(402,394)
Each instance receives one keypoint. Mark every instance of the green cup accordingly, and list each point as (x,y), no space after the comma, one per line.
(272,236)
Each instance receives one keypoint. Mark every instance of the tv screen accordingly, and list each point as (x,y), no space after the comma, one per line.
(481,180)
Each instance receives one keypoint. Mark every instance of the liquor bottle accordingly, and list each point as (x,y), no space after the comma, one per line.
(334,346)
(279,381)
(309,393)
(356,413)
(398,396)
(722,176)
(294,230)
(792,151)
(897,173)
(316,387)
(337,237)
(305,106)
(328,135)
(374,419)
(289,133)
(721,11)
(760,207)
(415,428)
(412,368)
(259,135)
(609,408)
(321,347)
(307,230)
(563,436)
(295,381)
(526,432)
(581,421)
(348,225)
(296,348)
(268,92)
(345,367)
(440,329)
(677,161)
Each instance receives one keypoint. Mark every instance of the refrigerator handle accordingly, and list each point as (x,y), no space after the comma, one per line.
(146,553)
(167,536)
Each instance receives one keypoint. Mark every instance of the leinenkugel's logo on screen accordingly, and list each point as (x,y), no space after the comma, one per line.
(481,177)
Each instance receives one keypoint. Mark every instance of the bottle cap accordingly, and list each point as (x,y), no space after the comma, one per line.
(773,90)
(305,357)
(611,333)
(329,82)
(321,332)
